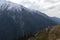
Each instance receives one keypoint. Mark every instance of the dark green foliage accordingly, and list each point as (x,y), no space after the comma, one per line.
(42,35)
(25,37)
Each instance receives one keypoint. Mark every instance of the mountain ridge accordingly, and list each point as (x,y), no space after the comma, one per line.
(50,33)
(20,21)
(56,19)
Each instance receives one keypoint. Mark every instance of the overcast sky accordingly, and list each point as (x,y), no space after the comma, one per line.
(50,7)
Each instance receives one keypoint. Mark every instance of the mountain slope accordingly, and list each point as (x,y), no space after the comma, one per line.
(56,19)
(52,33)
(16,20)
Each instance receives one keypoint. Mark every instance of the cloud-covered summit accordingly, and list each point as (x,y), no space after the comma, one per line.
(50,7)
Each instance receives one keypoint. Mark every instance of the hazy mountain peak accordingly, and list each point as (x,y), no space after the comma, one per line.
(9,5)
(16,20)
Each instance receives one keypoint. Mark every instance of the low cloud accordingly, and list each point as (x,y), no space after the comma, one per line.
(50,7)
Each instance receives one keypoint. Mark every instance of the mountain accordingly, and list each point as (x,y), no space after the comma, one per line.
(56,19)
(54,33)
(51,33)
(17,21)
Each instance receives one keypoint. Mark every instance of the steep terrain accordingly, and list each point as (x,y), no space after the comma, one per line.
(16,20)
(52,33)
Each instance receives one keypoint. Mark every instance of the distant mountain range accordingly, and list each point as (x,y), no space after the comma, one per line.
(16,20)
(56,19)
